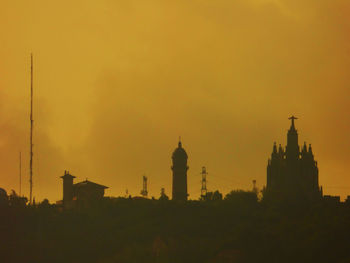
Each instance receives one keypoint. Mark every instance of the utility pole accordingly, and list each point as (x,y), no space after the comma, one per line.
(31,131)
(20,174)
(204,182)
(144,191)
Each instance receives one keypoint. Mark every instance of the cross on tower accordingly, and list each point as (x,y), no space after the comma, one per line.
(292,118)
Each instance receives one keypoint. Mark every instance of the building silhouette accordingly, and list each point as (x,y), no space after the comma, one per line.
(3,197)
(292,172)
(80,194)
(179,169)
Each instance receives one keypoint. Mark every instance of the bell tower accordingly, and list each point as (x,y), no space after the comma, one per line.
(67,188)
(179,168)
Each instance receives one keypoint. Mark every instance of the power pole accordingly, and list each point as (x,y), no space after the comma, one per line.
(144,191)
(204,182)
(20,174)
(31,131)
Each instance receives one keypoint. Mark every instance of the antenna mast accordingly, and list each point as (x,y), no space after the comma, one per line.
(20,174)
(204,182)
(31,130)
(144,191)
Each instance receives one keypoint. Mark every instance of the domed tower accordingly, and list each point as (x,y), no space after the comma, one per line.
(67,188)
(179,169)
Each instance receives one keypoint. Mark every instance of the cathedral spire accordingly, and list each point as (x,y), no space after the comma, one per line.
(280,149)
(310,149)
(292,149)
(292,118)
(274,148)
(304,148)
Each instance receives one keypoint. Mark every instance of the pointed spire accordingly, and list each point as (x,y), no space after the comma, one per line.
(280,152)
(310,149)
(292,149)
(274,148)
(180,144)
(292,118)
(304,148)
(280,149)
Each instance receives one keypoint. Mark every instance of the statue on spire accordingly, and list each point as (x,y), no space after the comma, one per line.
(292,119)
(293,174)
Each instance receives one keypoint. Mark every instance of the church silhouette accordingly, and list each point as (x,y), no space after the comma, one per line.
(291,172)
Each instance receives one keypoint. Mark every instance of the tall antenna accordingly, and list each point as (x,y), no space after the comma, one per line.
(31,130)
(204,182)
(144,191)
(20,174)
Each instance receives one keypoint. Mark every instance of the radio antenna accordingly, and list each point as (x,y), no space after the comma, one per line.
(31,131)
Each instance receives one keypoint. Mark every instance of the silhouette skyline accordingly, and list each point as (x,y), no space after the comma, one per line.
(90,123)
(116,84)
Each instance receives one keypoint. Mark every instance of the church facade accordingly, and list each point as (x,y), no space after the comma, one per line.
(292,172)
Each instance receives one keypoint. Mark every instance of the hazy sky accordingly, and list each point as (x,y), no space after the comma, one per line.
(117,82)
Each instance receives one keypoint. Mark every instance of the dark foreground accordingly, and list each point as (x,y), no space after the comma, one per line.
(126,230)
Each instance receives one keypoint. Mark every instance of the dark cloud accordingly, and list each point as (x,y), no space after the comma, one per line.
(117,83)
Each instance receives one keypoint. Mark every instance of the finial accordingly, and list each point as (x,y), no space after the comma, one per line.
(280,149)
(310,148)
(274,147)
(180,144)
(304,147)
(292,118)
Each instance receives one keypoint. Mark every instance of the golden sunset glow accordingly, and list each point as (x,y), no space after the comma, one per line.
(117,82)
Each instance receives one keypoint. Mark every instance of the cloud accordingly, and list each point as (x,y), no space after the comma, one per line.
(118,82)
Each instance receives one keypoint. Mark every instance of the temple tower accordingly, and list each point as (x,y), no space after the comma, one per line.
(67,187)
(292,149)
(293,173)
(179,169)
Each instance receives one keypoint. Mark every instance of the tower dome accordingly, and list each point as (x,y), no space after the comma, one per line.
(179,152)
(179,169)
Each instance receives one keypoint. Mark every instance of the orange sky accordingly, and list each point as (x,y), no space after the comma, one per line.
(116,83)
